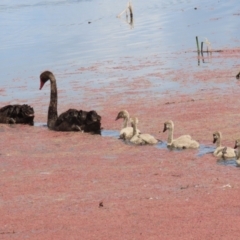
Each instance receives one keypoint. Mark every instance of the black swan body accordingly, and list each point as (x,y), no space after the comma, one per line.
(72,119)
(17,114)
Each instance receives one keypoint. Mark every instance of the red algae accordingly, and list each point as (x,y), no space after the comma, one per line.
(52,183)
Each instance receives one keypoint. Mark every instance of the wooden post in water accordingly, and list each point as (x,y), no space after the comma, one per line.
(201,47)
(198,51)
(197,44)
(202,52)
(130,9)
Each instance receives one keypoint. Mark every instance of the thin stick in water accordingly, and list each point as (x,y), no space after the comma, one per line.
(197,44)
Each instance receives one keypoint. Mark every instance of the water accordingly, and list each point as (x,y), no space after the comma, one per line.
(40,124)
(69,37)
(204,149)
(229,162)
(110,133)
(161,145)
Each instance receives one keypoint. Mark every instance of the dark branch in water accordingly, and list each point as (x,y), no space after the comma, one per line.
(130,9)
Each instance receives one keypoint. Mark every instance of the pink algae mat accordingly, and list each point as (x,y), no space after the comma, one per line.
(79,186)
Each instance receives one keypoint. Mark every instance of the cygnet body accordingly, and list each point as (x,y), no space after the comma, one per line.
(228,152)
(139,138)
(185,141)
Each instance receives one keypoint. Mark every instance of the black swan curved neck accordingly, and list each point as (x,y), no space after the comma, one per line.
(52,110)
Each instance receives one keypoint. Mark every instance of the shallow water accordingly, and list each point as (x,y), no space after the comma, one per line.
(204,149)
(110,133)
(40,124)
(229,162)
(161,145)
(83,41)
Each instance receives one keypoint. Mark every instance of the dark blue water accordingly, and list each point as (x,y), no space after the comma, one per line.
(110,133)
(229,162)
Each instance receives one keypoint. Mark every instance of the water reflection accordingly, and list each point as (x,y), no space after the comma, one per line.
(129,21)
(208,57)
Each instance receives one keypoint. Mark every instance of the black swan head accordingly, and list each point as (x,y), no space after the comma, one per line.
(92,117)
(27,111)
(44,77)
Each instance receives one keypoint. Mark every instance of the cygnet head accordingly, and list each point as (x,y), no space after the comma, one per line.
(27,111)
(237,143)
(134,121)
(216,136)
(122,114)
(44,77)
(168,125)
(92,117)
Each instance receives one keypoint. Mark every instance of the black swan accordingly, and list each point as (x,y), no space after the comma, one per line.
(17,114)
(72,119)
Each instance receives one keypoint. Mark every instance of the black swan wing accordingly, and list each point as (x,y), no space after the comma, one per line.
(73,119)
(17,114)
(72,116)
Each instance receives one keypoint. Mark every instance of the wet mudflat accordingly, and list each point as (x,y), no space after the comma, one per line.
(79,186)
